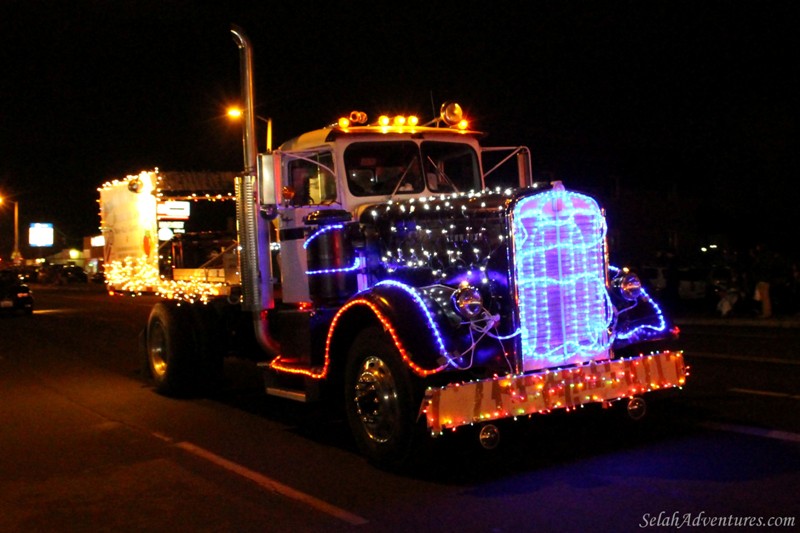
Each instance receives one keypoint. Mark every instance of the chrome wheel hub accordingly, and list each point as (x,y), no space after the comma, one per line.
(156,347)
(376,399)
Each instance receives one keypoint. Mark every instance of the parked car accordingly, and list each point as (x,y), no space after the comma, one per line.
(61,274)
(694,283)
(29,274)
(15,296)
(99,276)
(74,274)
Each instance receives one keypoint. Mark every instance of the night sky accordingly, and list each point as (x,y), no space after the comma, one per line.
(694,98)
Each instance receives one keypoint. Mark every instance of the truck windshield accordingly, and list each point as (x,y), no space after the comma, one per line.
(377,169)
(382,168)
(450,167)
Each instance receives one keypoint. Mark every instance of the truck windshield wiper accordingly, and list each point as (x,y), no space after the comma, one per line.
(440,173)
(403,177)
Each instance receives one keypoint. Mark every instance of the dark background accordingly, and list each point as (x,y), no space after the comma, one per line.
(692,102)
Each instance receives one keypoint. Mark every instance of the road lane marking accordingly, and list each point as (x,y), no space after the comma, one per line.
(771,394)
(749,359)
(757,432)
(163,437)
(274,486)
(61,311)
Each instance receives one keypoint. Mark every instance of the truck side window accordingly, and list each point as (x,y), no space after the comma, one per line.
(313,184)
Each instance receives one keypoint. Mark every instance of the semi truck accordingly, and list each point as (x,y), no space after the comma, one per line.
(420,281)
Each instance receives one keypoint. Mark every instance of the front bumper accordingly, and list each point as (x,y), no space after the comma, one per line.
(458,404)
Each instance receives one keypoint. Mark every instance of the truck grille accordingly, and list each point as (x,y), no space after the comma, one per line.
(559,267)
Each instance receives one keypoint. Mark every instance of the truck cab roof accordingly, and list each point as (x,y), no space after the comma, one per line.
(316,138)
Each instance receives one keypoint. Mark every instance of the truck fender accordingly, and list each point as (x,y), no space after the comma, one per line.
(401,311)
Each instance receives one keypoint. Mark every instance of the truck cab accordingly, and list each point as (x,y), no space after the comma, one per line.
(342,170)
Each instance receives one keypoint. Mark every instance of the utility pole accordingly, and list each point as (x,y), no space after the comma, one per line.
(16,256)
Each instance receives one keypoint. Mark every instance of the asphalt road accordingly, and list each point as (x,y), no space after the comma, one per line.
(87,445)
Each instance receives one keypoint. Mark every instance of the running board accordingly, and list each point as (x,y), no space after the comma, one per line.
(293,387)
(289,394)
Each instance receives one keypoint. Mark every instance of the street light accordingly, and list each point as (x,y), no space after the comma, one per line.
(236,113)
(16,256)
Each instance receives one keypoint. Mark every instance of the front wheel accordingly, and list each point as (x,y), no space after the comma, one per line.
(382,401)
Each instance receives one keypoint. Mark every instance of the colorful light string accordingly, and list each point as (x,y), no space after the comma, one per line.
(559,266)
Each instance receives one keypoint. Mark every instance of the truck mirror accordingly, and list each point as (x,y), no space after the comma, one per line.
(269,179)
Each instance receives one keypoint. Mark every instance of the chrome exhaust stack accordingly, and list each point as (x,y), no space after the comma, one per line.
(254,240)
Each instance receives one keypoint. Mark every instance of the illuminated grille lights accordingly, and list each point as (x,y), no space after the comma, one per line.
(559,265)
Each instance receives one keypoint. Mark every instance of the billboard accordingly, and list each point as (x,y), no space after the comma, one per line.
(40,234)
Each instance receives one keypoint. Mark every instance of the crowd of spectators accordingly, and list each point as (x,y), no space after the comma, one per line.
(760,283)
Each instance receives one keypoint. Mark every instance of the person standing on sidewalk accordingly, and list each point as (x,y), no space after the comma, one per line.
(762,275)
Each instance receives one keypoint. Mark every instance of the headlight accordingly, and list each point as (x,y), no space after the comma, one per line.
(629,285)
(468,302)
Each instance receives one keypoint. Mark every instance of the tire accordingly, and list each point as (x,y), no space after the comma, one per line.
(382,401)
(170,349)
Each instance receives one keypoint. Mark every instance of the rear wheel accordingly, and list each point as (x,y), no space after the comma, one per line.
(179,355)
(382,401)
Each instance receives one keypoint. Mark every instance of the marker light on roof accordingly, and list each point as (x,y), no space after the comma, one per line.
(358,117)
(451,113)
